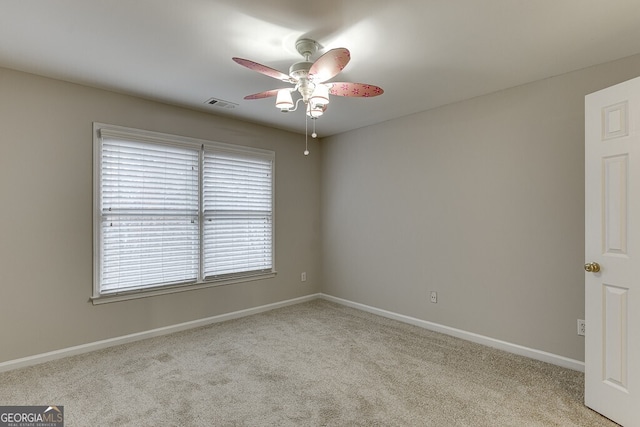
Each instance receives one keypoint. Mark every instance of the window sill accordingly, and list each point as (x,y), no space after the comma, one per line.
(144,293)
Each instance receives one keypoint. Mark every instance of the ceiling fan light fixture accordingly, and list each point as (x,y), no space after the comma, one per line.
(315,110)
(284,100)
(309,80)
(320,95)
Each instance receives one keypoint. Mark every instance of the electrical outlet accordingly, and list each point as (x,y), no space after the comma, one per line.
(303,276)
(434,297)
(581,327)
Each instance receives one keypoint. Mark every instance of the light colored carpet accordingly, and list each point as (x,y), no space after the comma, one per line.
(312,364)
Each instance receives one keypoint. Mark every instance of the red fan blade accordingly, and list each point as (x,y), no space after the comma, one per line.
(267,71)
(354,89)
(265,94)
(329,64)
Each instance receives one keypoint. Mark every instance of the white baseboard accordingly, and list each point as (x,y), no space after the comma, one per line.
(469,336)
(99,345)
(531,353)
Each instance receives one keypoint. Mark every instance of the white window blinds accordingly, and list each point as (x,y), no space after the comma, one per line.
(175,211)
(237,196)
(149,214)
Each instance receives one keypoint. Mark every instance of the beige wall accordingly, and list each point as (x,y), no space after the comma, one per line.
(46,214)
(481,201)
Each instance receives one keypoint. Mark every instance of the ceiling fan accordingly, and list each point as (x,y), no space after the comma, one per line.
(310,80)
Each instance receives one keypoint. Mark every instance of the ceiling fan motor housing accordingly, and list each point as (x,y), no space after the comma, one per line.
(300,70)
(299,73)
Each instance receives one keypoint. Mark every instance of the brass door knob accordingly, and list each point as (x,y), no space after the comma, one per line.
(592,267)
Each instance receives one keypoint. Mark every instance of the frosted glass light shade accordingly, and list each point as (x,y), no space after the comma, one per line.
(320,95)
(284,100)
(314,111)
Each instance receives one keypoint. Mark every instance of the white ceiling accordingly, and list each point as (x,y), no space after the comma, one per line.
(424,53)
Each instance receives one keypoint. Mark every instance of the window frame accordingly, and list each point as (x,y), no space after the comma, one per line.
(138,135)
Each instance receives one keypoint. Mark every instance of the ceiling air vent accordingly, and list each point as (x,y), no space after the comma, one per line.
(220,103)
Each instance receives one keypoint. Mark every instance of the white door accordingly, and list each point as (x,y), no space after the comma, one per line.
(612,239)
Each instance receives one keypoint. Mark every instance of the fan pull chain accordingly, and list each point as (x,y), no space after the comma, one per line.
(306,136)
(314,134)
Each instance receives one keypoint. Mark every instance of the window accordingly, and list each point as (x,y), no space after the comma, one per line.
(173,213)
